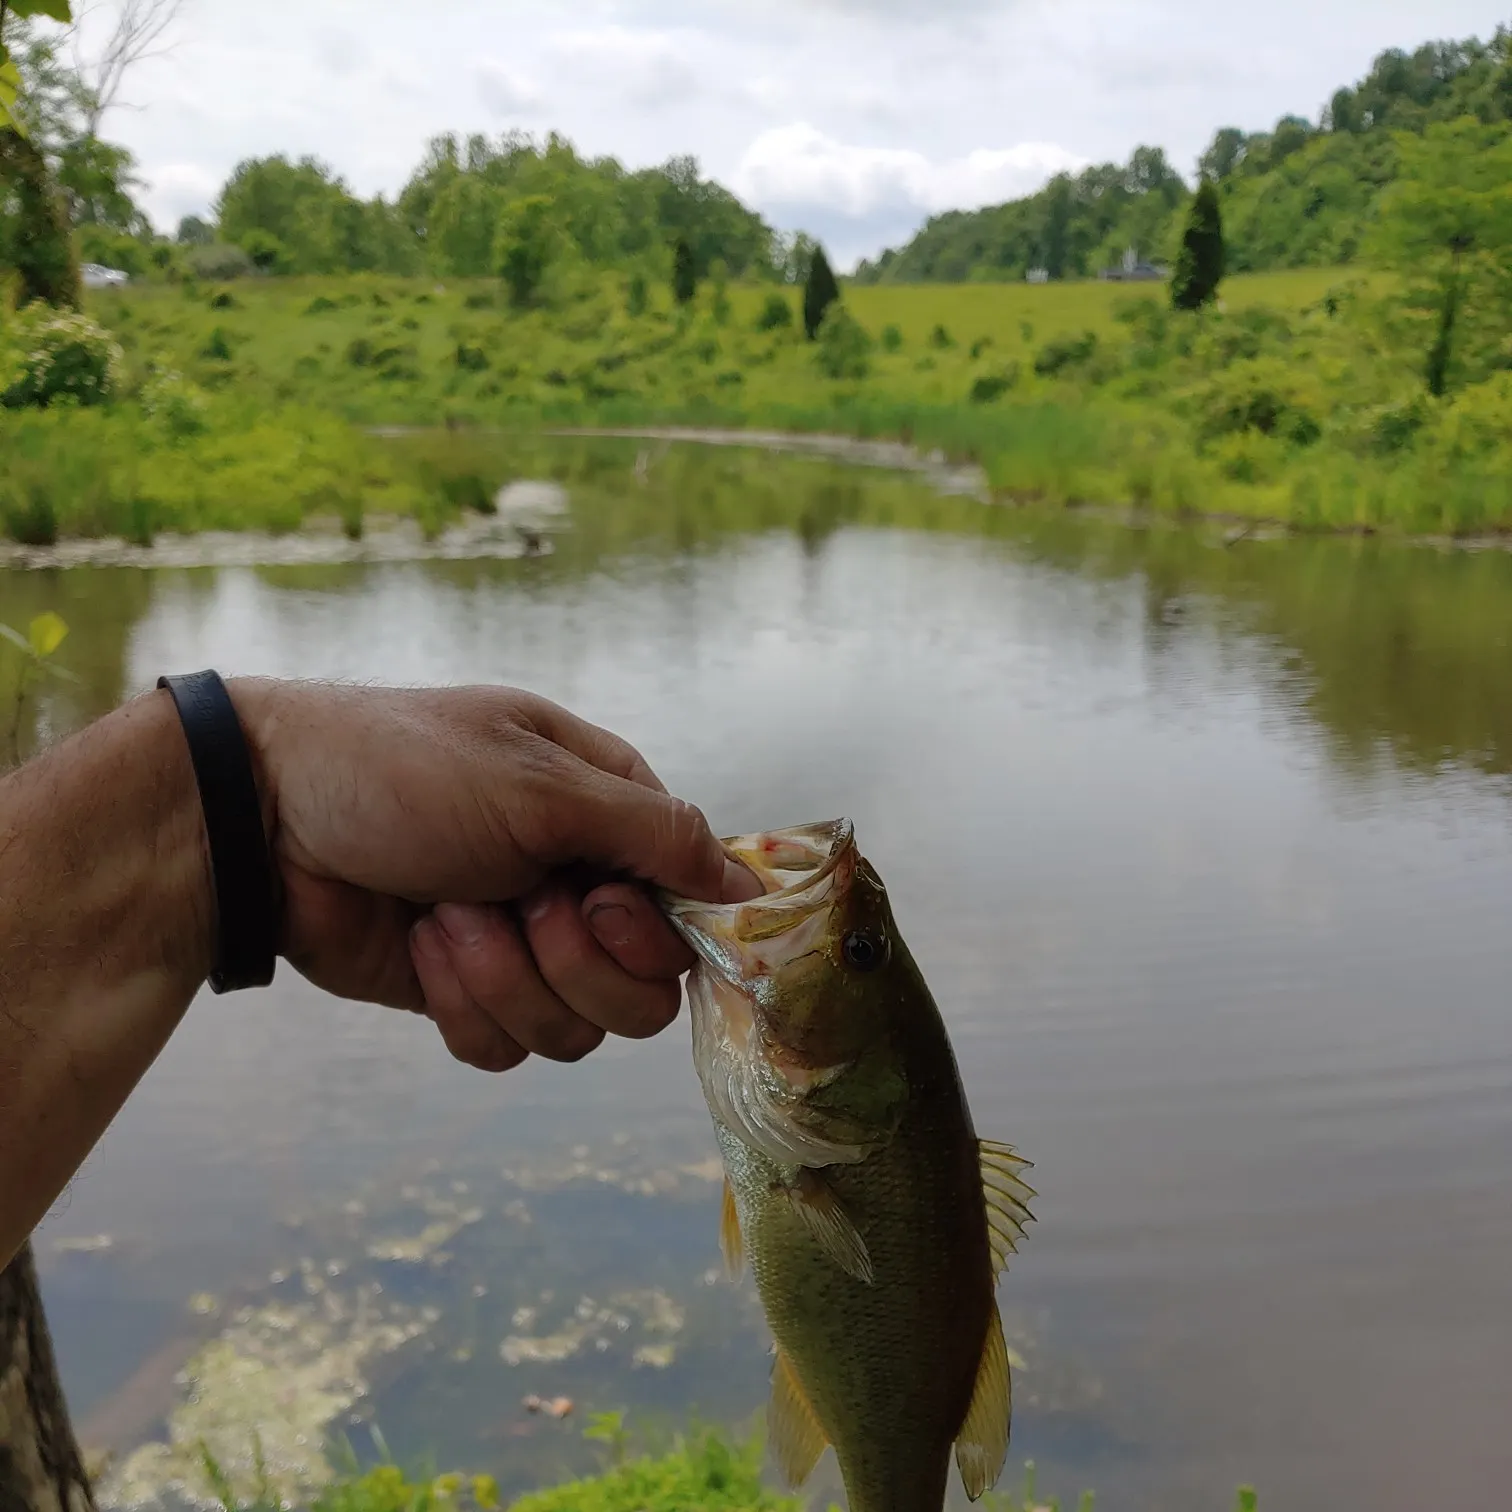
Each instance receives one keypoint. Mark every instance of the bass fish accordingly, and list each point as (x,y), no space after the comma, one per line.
(874,1220)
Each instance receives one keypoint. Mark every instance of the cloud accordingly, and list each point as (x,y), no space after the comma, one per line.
(644,69)
(175,190)
(797,166)
(506,93)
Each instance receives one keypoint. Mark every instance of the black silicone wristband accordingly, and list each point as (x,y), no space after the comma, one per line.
(246,904)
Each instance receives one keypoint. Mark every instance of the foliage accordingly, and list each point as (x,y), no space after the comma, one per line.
(820,291)
(776,313)
(684,273)
(37,648)
(844,349)
(529,244)
(1303,194)
(12,106)
(1200,263)
(49,355)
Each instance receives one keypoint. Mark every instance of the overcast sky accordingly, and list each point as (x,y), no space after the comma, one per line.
(854,119)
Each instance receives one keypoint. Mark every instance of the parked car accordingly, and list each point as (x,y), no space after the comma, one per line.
(97,277)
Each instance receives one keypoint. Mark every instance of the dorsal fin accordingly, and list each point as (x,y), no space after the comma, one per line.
(731,1242)
(1007,1196)
(796,1438)
(982,1444)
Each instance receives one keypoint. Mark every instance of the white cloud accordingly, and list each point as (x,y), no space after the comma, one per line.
(799,166)
(179,189)
(506,93)
(644,69)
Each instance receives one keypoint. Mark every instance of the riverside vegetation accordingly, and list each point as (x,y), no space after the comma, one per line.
(517,285)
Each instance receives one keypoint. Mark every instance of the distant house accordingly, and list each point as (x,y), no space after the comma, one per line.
(1134,269)
(96,277)
(1037,275)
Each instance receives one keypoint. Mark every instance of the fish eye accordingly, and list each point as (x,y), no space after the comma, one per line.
(863,952)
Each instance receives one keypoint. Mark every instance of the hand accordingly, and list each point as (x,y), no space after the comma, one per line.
(468,854)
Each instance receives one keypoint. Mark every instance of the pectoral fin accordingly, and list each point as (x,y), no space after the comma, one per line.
(830,1226)
(982,1446)
(1007,1196)
(795,1435)
(731,1242)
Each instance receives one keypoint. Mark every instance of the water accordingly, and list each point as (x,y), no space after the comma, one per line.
(1205,850)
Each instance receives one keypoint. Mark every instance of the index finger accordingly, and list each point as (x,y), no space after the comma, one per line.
(600,748)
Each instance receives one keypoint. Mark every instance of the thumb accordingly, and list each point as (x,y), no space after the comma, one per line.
(628,827)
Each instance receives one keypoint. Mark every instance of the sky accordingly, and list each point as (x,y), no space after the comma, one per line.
(852,119)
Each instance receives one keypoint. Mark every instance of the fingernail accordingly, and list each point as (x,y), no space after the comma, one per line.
(612,924)
(426,939)
(538,905)
(462,923)
(740,884)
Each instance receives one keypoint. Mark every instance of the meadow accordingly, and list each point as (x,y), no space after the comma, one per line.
(1298,400)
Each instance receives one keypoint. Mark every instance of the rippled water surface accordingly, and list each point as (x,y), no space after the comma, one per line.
(1205,850)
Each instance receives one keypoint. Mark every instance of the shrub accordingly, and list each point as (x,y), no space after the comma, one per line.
(979,346)
(54,354)
(218,261)
(776,313)
(471,359)
(174,402)
(1055,357)
(268,253)
(892,339)
(28,513)
(225,300)
(637,296)
(479,299)
(218,347)
(359,352)
(1265,397)
(820,292)
(992,386)
(940,338)
(319,305)
(684,273)
(844,346)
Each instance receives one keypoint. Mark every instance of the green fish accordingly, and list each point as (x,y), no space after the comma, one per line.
(874,1220)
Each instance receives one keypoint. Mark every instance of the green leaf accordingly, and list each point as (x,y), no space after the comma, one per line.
(10,87)
(15,638)
(46,633)
(57,9)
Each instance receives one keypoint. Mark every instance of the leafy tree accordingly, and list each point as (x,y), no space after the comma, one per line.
(1200,264)
(1223,156)
(529,244)
(1446,226)
(820,291)
(684,273)
(194,232)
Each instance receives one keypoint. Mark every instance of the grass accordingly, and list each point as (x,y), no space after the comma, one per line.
(1298,402)
(705,1472)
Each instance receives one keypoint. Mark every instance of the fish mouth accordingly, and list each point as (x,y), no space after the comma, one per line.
(806,871)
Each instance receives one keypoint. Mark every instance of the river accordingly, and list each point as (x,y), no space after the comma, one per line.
(1205,848)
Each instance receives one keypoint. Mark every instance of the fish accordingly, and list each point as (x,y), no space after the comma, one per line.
(875,1222)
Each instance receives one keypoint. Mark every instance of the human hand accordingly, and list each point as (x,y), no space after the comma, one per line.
(467,854)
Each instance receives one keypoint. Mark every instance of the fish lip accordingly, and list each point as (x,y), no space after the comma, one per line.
(704,925)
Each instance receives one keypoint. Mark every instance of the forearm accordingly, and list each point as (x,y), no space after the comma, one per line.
(106,932)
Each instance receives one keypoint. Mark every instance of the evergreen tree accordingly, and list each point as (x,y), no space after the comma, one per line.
(820,291)
(684,273)
(1200,264)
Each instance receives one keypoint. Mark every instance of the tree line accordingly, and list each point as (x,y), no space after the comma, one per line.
(1303,194)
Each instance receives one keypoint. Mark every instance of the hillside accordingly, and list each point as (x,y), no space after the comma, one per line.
(1303,194)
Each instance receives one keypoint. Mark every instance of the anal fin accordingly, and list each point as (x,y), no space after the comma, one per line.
(982,1444)
(813,1199)
(731,1241)
(796,1438)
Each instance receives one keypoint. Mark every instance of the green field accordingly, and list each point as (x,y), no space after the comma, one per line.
(1298,400)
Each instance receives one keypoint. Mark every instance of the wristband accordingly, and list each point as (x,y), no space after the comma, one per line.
(246,907)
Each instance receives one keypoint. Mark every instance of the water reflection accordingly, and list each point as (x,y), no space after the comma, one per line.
(1204,850)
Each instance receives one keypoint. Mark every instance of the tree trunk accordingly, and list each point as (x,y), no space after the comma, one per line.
(41,1469)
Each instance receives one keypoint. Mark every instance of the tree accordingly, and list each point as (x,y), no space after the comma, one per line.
(684,273)
(139,32)
(1200,263)
(1446,226)
(529,244)
(1223,156)
(194,232)
(820,291)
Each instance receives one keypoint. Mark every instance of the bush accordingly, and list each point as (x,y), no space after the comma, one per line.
(268,253)
(52,354)
(175,402)
(979,346)
(992,386)
(471,359)
(319,305)
(218,347)
(1266,397)
(27,511)
(940,338)
(225,300)
(1055,357)
(844,346)
(776,313)
(892,339)
(637,296)
(217,262)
